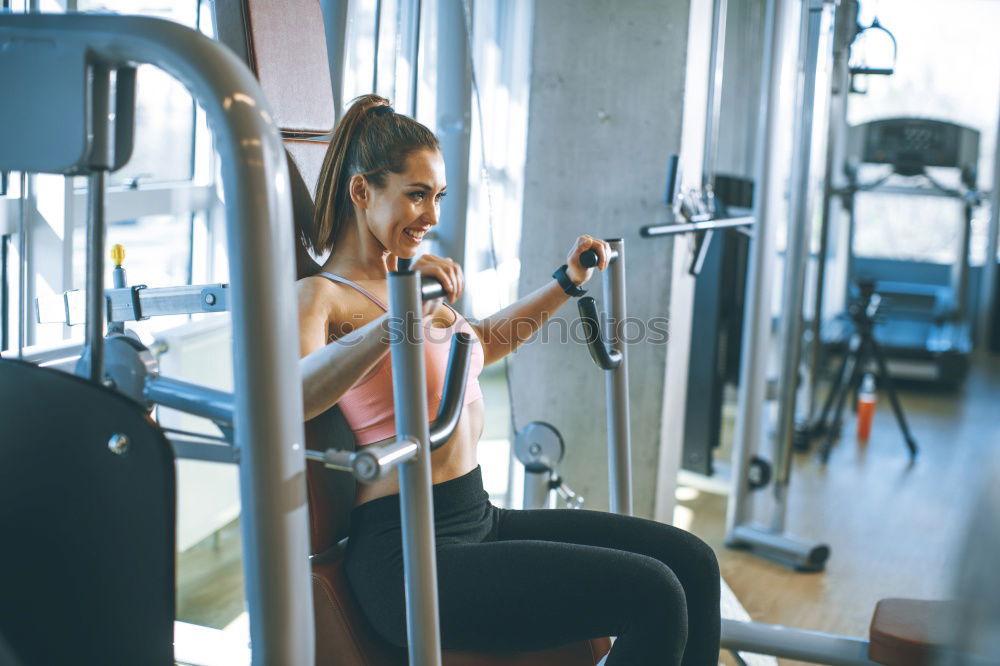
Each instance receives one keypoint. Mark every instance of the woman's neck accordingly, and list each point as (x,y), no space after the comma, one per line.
(357,254)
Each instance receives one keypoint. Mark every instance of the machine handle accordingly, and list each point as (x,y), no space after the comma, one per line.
(370,463)
(450,409)
(604,356)
(590,258)
(376,460)
(430,288)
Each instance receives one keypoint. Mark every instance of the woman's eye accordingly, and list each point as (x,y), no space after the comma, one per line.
(441,195)
(417,196)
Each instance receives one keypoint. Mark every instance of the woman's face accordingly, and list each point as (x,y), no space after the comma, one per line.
(401,212)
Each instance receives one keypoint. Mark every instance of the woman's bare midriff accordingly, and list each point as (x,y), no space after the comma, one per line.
(455,458)
(458,455)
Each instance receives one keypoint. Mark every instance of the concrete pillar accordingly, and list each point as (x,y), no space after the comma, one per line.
(607,91)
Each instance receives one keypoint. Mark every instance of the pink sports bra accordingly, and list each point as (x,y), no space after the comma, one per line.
(368,407)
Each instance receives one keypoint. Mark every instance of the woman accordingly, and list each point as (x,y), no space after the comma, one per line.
(508,580)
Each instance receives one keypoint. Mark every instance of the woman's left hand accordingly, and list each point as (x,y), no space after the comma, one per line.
(575,270)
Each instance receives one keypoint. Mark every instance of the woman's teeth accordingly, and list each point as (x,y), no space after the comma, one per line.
(415,236)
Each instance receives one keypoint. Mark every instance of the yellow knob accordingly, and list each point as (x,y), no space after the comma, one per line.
(118,254)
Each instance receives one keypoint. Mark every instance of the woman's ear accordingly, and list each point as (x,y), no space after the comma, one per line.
(359,191)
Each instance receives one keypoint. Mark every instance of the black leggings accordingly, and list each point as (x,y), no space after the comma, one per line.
(526,580)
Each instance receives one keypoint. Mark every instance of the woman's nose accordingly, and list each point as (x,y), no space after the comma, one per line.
(431,213)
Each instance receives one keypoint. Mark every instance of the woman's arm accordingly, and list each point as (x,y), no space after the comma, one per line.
(330,370)
(504,331)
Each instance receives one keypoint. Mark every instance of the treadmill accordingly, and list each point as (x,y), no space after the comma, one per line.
(924,326)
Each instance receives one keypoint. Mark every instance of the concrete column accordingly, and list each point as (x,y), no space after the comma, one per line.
(607,91)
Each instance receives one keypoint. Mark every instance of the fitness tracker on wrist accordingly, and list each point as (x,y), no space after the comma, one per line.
(567,285)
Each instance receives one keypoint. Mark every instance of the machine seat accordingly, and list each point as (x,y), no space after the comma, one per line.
(345,638)
(901,629)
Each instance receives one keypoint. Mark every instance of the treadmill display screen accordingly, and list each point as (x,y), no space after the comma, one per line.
(913,143)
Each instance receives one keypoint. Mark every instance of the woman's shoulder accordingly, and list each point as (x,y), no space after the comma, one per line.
(318,296)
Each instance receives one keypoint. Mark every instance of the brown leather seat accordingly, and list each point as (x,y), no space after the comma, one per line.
(901,630)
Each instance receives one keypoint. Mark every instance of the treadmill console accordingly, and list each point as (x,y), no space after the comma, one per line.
(910,144)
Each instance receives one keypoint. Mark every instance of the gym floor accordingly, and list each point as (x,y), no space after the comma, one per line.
(893,528)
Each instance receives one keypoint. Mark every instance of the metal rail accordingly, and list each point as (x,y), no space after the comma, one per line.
(655,230)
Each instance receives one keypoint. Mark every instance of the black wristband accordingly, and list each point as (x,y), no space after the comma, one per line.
(567,285)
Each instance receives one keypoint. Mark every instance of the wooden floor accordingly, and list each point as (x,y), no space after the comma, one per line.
(893,527)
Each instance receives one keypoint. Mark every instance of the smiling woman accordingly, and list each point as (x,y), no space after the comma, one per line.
(653,586)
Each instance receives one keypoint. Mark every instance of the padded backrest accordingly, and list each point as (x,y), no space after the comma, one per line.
(87,555)
(308,155)
(287,51)
(302,210)
(331,494)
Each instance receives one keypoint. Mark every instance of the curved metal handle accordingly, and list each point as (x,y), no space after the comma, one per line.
(604,356)
(450,409)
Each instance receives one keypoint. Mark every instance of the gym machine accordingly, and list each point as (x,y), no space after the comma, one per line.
(926,322)
(85,62)
(538,445)
(62,65)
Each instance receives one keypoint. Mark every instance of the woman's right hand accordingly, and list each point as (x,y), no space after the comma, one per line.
(446,271)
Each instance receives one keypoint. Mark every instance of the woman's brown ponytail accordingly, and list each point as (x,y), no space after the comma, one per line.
(370,139)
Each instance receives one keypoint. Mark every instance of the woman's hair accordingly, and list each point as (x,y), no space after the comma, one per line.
(373,140)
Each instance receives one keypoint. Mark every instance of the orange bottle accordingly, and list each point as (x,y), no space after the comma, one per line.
(866,408)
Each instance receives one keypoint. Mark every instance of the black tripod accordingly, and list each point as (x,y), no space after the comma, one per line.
(861,350)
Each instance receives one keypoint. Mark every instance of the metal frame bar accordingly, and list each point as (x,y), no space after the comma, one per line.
(800,644)
(616,388)
(796,259)
(136,303)
(95,274)
(757,322)
(335,29)
(454,124)
(269,430)
(717,58)
(415,478)
(687,227)
(988,295)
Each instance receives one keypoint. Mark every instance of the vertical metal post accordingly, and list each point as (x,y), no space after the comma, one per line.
(335,28)
(415,56)
(714,104)
(960,269)
(616,388)
(415,479)
(23,226)
(454,126)
(989,301)
(376,46)
(836,130)
(536,490)
(409,50)
(796,258)
(95,274)
(757,320)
